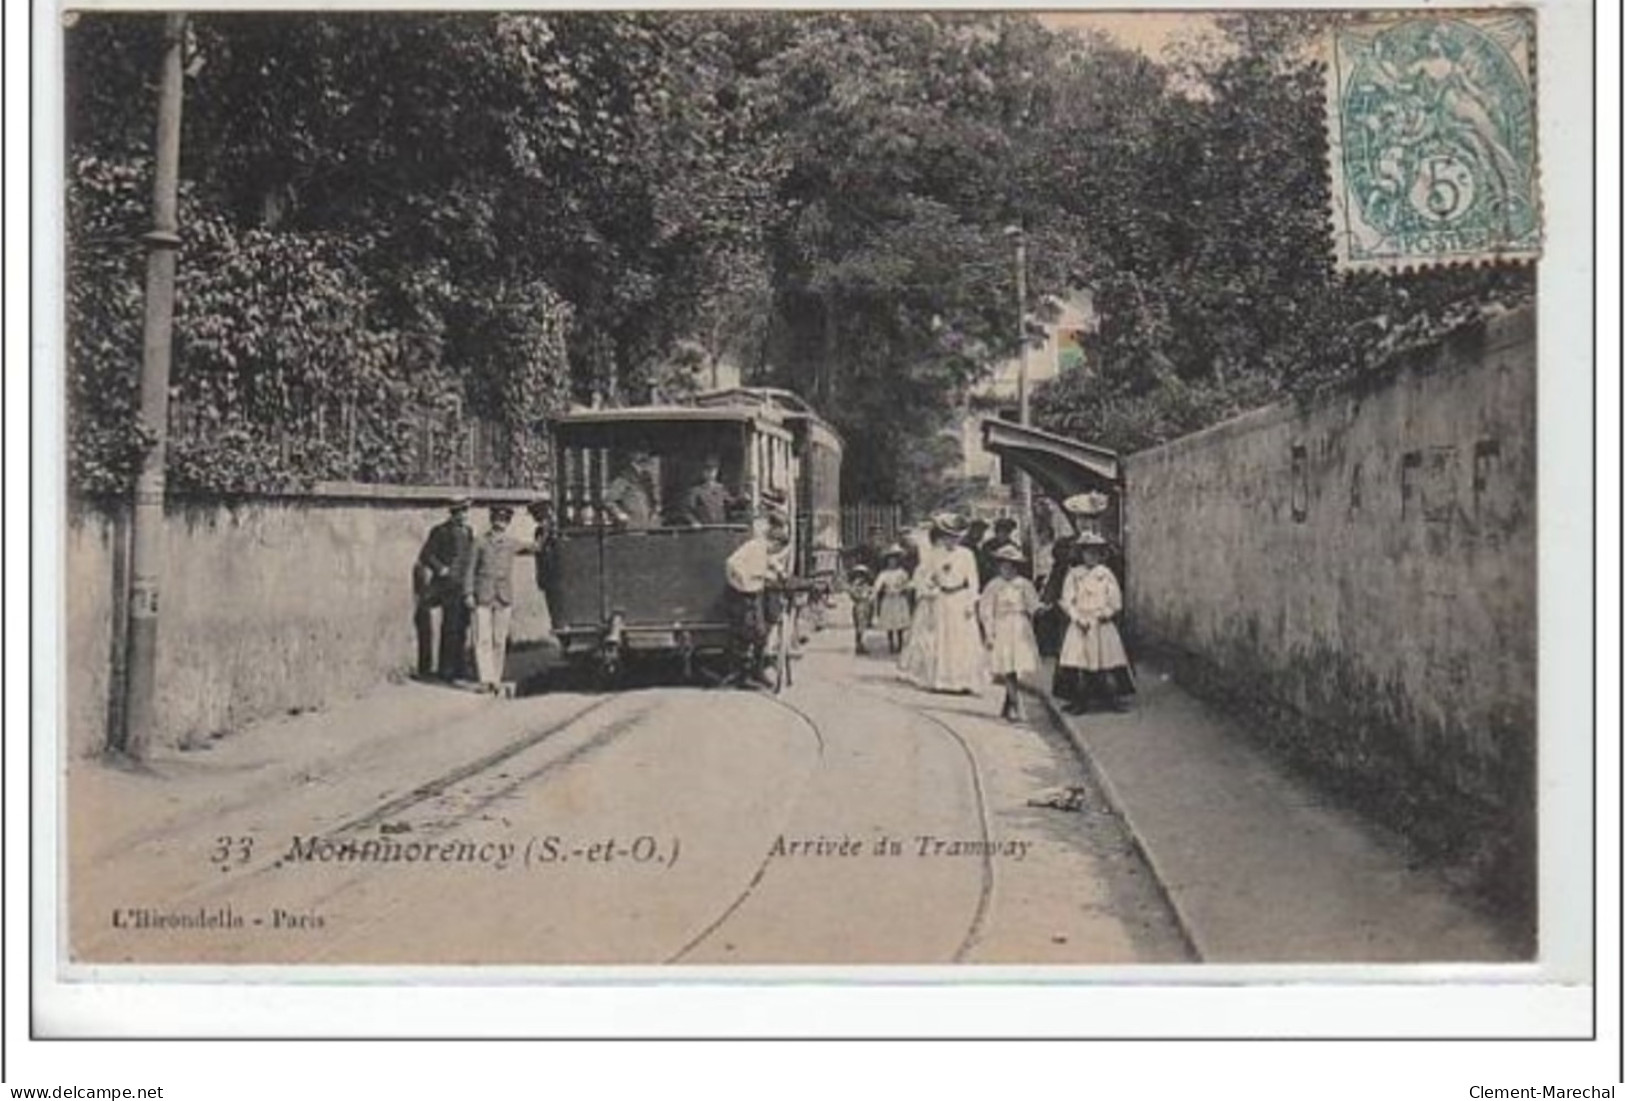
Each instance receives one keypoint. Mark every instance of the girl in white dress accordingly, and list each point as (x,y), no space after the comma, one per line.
(1006,611)
(957,664)
(1092,600)
(892,611)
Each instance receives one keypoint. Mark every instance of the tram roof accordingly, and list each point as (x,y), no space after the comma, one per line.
(787,403)
(672,413)
(761,396)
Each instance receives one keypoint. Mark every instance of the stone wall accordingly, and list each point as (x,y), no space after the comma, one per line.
(265,605)
(1363,571)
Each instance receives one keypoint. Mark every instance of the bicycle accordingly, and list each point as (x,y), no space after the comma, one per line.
(784,601)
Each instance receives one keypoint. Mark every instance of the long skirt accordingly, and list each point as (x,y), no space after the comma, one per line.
(1093,666)
(919,653)
(957,663)
(1096,649)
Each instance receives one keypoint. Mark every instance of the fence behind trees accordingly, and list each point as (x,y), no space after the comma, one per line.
(857,519)
(436,446)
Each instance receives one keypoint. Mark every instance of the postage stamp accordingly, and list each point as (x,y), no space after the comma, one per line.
(1433,150)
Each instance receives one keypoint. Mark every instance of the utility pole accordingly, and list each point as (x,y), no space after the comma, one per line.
(1024,485)
(139,718)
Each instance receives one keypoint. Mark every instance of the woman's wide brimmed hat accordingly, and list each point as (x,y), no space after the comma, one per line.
(1009,553)
(1091,539)
(950,524)
(894,551)
(859,570)
(1092,503)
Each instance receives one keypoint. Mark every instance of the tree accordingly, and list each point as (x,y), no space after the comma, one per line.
(387,216)
(1209,252)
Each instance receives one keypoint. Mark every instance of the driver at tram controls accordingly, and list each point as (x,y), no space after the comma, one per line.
(709,501)
(759,560)
(629,500)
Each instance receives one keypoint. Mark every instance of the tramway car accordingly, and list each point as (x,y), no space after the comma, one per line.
(637,567)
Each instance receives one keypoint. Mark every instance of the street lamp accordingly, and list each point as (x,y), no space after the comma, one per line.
(1024,486)
(135,721)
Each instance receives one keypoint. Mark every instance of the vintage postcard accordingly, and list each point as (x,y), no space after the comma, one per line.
(725,493)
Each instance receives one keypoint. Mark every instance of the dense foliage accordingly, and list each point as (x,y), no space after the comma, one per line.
(397,225)
(1213,270)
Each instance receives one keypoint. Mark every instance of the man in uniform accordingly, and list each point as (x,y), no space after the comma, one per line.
(437,582)
(489,584)
(707,502)
(630,498)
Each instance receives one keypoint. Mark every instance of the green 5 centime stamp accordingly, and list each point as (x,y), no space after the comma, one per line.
(1432,127)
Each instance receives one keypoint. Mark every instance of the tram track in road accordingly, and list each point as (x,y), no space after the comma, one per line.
(249,878)
(755,880)
(984,899)
(272,787)
(440,784)
(611,733)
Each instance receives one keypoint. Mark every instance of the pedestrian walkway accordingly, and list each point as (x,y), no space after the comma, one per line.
(1258,866)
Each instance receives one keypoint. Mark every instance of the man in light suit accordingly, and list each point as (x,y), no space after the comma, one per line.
(489,584)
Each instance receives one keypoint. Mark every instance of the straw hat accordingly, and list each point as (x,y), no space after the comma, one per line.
(1009,553)
(950,524)
(1091,539)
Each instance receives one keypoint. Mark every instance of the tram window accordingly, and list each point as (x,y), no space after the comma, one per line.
(646,478)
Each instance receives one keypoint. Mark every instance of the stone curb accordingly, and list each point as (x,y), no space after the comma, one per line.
(1187,931)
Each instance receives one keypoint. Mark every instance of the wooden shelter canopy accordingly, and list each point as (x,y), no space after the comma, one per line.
(1061,465)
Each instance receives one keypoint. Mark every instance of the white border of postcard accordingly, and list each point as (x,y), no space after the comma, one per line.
(1550,999)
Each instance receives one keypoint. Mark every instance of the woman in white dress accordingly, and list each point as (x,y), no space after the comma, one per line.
(1006,610)
(958,665)
(1092,600)
(915,662)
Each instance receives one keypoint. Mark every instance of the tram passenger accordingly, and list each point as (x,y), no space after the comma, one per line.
(630,497)
(489,582)
(708,501)
(437,582)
